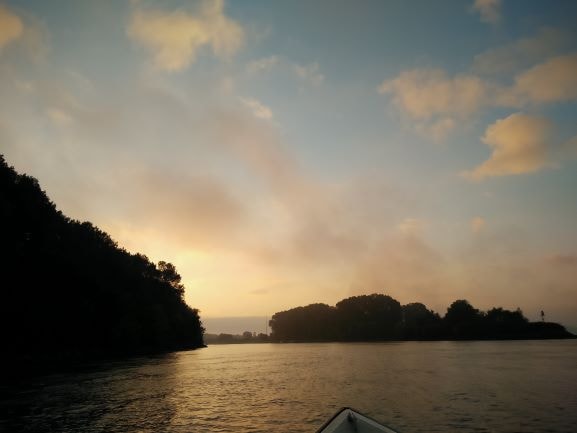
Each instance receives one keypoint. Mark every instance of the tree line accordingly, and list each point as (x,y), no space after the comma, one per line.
(245,337)
(68,290)
(379,317)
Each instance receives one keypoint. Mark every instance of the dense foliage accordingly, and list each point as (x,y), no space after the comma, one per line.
(379,317)
(67,289)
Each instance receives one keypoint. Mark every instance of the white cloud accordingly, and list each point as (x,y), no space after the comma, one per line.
(258,108)
(489,10)
(521,144)
(11,27)
(309,73)
(174,38)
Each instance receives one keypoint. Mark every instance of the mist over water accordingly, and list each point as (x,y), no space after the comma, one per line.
(506,386)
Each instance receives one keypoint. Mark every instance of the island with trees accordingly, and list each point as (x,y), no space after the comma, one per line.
(69,292)
(244,338)
(379,317)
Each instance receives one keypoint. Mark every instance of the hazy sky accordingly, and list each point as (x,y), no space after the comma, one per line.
(285,153)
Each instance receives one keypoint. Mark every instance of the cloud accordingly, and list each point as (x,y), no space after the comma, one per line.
(258,108)
(570,147)
(174,38)
(437,130)
(435,101)
(426,93)
(309,73)
(262,65)
(522,53)
(59,117)
(307,221)
(552,81)
(489,10)
(405,267)
(521,144)
(411,226)
(28,34)
(11,27)
(491,268)
(478,224)
(169,213)
(302,222)
(200,209)
(562,260)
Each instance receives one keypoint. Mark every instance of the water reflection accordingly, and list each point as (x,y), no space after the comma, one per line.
(415,387)
(135,395)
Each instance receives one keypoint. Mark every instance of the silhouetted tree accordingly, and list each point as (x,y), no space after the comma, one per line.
(262,337)
(463,321)
(225,338)
(380,317)
(420,322)
(500,323)
(68,289)
(370,317)
(316,322)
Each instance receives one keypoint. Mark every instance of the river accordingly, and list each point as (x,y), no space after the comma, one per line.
(506,386)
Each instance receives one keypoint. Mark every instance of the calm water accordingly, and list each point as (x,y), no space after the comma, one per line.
(414,387)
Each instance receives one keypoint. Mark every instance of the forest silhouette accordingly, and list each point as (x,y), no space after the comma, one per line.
(379,317)
(70,292)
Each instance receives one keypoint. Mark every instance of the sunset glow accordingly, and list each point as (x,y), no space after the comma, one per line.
(287,153)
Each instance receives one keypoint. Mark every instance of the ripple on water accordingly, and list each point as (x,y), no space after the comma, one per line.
(415,387)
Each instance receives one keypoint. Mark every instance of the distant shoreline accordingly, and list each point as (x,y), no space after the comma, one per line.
(571,337)
(430,341)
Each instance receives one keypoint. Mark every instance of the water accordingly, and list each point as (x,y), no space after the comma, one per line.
(519,386)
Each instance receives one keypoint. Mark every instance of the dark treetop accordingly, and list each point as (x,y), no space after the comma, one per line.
(379,317)
(68,291)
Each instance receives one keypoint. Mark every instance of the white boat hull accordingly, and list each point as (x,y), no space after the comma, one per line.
(348,420)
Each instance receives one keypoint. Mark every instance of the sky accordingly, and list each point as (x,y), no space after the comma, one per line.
(287,153)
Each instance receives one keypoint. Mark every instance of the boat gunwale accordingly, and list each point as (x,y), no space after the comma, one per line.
(332,418)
